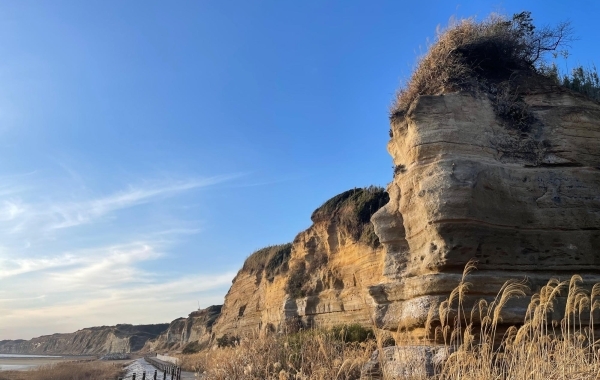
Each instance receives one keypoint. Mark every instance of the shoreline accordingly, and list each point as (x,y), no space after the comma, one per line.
(24,363)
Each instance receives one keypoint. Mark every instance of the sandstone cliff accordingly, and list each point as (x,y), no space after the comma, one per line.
(494,162)
(523,203)
(193,332)
(93,340)
(523,199)
(320,279)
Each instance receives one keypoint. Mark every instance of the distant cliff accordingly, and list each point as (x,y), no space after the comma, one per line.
(88,341)
(193,332)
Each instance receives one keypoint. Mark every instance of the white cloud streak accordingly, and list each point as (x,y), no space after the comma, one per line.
(50,284)
(20,216)
(105,281)
(76,213)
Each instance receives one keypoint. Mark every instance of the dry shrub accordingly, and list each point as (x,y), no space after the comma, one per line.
(76,370)
(312,354)
(469,54)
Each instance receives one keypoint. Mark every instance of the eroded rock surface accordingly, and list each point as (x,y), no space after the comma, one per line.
(325,279)
(195,329)
(523,202)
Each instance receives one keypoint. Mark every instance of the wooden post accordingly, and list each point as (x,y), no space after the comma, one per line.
(165,374)
(144,375)
(155,372)
(133,378)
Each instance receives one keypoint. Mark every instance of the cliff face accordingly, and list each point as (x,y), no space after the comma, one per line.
(94,340)
(524,202)
(320,279)
(196,328)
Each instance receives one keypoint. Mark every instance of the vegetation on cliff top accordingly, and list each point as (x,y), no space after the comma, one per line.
(270,260)
(352,210)
(494,55)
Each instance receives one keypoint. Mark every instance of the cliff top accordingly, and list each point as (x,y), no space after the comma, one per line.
(470,55)
(269,259)
(351,209)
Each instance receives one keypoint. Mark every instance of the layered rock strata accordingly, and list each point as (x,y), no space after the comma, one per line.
(322,278)
(523,202)
(88,341)
(196,329)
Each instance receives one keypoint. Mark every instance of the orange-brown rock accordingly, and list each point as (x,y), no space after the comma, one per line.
(322,278)
(524,202)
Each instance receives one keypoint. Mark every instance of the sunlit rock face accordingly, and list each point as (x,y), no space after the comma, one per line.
(335,287)
(523,202)
(320,279)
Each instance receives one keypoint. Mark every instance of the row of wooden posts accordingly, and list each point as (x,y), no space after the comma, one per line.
(166,369)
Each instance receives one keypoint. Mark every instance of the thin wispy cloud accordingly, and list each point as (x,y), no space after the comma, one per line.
(76,213)
(54,279)
(19,266)
(21,215)
(94,281)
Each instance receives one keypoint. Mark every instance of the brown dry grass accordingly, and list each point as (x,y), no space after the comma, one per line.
(539,349)
(76,370)
(313,354)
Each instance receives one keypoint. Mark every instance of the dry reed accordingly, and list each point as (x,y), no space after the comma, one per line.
(312,354)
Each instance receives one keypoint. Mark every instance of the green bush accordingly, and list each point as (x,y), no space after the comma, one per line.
(583,80)
(352,333)
(192,348)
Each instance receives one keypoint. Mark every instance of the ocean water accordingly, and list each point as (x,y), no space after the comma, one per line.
(27,356)
(18,362)
(16,367)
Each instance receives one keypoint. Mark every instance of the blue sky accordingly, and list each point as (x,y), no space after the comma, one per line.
(149,147)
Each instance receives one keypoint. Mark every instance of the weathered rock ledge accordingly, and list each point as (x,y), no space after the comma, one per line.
(524,203)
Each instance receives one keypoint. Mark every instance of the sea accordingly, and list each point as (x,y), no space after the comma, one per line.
(17,362)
